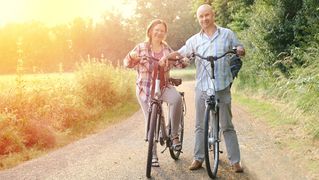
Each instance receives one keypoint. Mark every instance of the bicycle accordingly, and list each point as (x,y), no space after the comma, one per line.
(212,131)
(156,130)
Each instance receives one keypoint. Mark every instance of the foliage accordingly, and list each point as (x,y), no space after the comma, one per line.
(44,48)
(101,82)
(48,105)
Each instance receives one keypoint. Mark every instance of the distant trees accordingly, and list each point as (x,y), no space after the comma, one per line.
(44,48)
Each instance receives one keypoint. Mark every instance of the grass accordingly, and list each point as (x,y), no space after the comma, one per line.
(289,124)
(186,74)
(79,131)
(42,112)
(273,111)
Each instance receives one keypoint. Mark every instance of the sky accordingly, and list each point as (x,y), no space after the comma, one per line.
(52,12)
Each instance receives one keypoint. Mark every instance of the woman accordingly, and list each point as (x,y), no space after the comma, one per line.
(138,58)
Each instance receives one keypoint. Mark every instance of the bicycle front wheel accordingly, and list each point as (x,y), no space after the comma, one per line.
(151,133)
(211,141)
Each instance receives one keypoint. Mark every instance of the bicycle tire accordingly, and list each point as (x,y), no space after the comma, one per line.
(175,154)
(151,133)
(211,139)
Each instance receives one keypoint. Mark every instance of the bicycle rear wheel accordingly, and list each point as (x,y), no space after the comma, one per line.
(211,142)
(175,154)
(151,133)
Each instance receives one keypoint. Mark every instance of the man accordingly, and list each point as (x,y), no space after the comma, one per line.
(213,40)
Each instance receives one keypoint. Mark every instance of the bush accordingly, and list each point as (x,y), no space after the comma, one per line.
(41,107)
(101,83)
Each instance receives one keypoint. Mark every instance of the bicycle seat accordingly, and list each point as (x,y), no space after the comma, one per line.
(175,82)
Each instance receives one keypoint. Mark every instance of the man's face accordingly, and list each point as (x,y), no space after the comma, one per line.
(205,17)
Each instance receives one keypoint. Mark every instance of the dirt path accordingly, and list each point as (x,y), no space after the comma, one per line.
(119,152)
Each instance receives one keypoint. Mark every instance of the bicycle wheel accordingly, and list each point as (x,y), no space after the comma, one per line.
(211,142)
(151,133)
(175,154)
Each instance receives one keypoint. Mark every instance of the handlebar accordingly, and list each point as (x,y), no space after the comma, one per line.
(211,59)
(155,59)
(214,58)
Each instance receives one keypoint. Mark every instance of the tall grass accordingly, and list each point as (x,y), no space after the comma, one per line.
(300,93)
(40,112)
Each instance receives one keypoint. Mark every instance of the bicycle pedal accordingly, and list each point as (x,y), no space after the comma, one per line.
(164,150)
(161,140)
(180,151)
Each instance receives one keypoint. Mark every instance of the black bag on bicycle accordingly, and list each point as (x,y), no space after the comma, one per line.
(235,65)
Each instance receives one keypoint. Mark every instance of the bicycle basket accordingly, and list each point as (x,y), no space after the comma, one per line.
(235,65)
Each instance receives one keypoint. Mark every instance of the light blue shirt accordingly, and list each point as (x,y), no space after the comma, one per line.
(222,41)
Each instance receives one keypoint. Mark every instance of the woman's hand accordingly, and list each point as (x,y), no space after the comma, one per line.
(163,61)
(134,56)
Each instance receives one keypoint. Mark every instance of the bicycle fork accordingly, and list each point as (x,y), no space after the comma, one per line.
(158,119)
(212,103)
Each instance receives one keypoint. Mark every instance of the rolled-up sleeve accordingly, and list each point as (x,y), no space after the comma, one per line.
(128,62)
(234,40)
(187,49)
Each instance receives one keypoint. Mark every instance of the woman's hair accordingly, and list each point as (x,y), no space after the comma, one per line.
(151,26)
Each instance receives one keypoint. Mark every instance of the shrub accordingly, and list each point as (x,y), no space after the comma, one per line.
(101,83)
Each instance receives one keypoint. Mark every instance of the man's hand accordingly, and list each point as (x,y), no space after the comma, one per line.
(240,51)
(186,61)
(174,55)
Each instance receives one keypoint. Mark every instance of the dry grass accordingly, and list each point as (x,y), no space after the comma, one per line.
(41,112)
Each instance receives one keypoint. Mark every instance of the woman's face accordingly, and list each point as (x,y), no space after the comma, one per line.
(158,32)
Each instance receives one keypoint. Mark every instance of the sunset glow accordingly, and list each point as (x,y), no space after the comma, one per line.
(52,12)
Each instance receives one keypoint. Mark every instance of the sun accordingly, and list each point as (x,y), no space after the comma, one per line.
(52,12)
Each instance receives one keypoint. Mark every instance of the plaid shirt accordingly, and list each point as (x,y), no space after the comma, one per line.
(145,70)
(222,40)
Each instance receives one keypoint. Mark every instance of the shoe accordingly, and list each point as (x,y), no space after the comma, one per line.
(237,168)
(195,165)
(177,145)
(155,162)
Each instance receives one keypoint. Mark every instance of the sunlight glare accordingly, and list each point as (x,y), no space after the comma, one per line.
(52,12)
